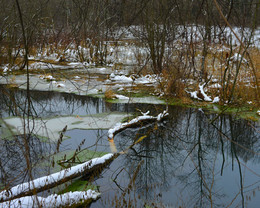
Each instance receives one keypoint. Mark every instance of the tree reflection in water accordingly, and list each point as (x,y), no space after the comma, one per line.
(13,167)
(194,159)
(192,162)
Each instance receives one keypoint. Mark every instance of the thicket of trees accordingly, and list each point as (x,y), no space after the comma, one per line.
(81,19)
(156,24)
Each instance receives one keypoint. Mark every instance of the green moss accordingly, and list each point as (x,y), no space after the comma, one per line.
(78,185)
(77,122)
(244,112)
(81,157)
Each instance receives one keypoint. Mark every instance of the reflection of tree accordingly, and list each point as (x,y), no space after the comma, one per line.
(192,149)
(12,103)
(12,161)
(158,151)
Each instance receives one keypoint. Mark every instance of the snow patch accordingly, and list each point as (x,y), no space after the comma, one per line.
(121,97)
(120,78)
(216,85)
(216,100)
(237,58)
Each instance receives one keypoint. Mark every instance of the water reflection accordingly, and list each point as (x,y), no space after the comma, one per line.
(13,159)
(190,162)
(194,159)
(43,104)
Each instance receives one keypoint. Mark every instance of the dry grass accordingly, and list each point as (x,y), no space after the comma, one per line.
(110,94)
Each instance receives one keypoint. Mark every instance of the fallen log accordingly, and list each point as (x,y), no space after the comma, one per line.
(53,180)
(136,122)
(25,190)
(74,199)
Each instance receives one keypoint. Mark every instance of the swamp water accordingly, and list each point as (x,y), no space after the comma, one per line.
(193,159)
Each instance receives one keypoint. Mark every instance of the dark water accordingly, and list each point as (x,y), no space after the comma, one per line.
(193,159)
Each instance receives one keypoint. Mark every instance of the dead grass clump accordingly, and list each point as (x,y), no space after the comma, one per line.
(109,94)
(173,84)
(245,93)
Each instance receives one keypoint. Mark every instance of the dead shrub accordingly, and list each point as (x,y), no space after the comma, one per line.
(173,84)
(110,94)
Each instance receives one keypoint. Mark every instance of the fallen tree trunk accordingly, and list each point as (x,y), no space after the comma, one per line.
(74,199)
(53,180)
(136,122)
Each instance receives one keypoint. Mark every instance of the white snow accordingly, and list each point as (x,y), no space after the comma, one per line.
(5,69)
(216,100)
(120,78)
(258,112)
(121,97)
(45,180)
(146,79)
(206,97)
(60,85)
(238,57)
(194,95)
(48,77)
(119,126)
(54,200)
(216,85)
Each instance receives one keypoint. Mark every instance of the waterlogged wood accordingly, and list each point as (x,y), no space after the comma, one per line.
(53,180)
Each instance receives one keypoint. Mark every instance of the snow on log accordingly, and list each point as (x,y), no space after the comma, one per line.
(135,122)
(204,95)
(201,95)
(54,200)
(55,179)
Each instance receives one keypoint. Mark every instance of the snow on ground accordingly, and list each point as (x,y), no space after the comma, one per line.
(238,57)
(216,85)
(64,200)
(120,78)
(134,79)
(216,100)
(53,178)
(194,95)
(121,97)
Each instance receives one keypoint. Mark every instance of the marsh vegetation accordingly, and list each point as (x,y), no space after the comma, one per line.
(72,72)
